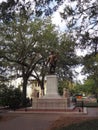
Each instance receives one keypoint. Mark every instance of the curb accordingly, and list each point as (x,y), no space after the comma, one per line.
(44,112)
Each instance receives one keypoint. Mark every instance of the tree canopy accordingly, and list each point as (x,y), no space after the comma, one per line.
(32,7)
(25,45)
(26,40)
(82,23)
(83,16)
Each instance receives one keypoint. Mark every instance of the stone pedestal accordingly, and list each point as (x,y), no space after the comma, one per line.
(50,104)
(52,89)
(52,100)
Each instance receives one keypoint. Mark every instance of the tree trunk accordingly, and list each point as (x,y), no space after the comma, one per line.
(25,80)
(42,85)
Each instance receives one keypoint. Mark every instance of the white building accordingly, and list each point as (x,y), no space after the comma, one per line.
(33,88)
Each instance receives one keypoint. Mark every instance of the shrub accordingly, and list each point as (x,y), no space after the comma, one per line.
(11,97)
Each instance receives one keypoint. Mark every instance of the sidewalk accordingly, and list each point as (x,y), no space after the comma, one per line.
(93,112)
(37,121)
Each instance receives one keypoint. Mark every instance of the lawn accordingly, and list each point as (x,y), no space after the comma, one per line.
(87,125)
(75,123)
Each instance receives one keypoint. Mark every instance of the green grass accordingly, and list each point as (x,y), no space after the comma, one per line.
(87,125)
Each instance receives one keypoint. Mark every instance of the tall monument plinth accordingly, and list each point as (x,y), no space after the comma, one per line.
(51,89)
(52,100)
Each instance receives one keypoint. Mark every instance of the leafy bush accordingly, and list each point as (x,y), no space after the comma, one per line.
(10,96)
(15,98)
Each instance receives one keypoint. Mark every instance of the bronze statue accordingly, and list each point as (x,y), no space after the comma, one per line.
(52,60)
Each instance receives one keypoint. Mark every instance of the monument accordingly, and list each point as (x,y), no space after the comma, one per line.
(52,61)
(52,101)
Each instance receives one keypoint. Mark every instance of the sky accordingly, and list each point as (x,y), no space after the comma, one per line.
(57,20)
(3,0)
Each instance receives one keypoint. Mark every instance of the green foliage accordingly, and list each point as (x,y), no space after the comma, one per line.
(82,23)
(91,67)
(25,46)
(78,22)
(61,86)
(88,87)
(40,7)
(66,84)
(91,86)
(10,96)
(67,57)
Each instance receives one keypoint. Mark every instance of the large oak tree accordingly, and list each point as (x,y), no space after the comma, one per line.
(25,44)
(24,48)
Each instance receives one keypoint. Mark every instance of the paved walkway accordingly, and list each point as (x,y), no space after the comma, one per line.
(36,121)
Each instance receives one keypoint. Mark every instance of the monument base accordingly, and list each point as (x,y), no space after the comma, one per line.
(50,104)
(52,100)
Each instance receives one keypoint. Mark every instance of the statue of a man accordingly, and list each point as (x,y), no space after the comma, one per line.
(52,60)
